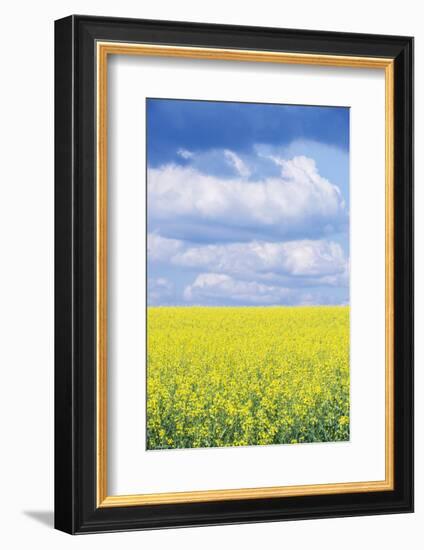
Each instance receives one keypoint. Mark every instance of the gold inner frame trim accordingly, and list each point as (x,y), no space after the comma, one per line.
(104,49)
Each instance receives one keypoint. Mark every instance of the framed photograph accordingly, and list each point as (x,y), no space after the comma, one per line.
(234,274)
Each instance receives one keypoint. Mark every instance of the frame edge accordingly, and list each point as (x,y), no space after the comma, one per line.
(69,442)
(64,448)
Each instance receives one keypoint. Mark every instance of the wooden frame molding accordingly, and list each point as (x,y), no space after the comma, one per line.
(103,50)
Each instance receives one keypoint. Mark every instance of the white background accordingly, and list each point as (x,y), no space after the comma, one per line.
(26,289)
(131,79)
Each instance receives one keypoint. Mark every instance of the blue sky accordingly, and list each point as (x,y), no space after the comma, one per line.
(248,204)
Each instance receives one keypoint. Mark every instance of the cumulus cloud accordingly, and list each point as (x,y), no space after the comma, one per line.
(162,249)
(334,160)
(321,260)
(337,279)
(246,230)
(160,290)
(185,154)
(210,287)
(299,258)
(300,202)
(237,163)
(221,289)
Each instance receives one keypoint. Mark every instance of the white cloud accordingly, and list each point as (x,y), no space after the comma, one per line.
(162,249)
(308,258)
(304,258)
(337,279)
(219,288)
(299,202)
(185,154)
(160,290)
(237,163)
(210,287)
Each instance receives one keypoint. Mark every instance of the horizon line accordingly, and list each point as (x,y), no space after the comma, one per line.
(250,305)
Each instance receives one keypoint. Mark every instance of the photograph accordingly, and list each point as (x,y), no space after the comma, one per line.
(248,311)
(233,272)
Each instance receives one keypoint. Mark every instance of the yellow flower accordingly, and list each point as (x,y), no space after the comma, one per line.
(247,376)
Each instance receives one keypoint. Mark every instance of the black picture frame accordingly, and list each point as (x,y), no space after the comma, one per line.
(76,510)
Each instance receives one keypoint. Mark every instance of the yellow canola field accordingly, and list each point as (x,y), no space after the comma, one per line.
(229,376)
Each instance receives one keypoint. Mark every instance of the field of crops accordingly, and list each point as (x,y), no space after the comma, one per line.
(226,376)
